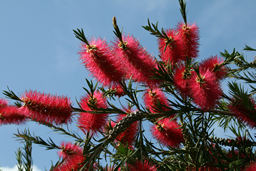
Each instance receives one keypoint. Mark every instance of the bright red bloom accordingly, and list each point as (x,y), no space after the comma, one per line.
(135,60)
(91,121)
(168,132)
(244,112)
(173,51)
(188,34)
(47,108)
(251,167)
(182,80)
(155,100)
(99,60)
(212,64)
(142,166)
(118,90)
(12,115)
(3,103)
(126,137)
(205,92)
(72,157)
(236,154)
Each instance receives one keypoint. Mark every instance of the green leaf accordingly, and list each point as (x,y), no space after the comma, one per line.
(248,48)
(183,10)
(79,34)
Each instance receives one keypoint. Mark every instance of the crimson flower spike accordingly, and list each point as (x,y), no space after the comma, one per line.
(251,167)
(47,108)
(155,100)
(90,121)
(189,36)
(243,113)
(118,90)
(72,157)
(133,58)
(11,114)
(3,103)
(181,44)
(126,137)
(168,132)
(97,57)
(216,65)
(242,105)
(182,79)
(142,166)
(205,89)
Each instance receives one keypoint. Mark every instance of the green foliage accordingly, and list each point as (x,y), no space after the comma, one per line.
(199,148)
(26,136)
(24,157)
(79,34)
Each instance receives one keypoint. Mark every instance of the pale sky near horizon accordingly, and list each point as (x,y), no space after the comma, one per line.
(38,50)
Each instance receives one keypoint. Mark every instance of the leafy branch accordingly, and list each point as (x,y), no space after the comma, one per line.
(11,95)
(153,29)
(63,131)
(248,48)
(117,31)
(79,34)
(183,10)
(26,136)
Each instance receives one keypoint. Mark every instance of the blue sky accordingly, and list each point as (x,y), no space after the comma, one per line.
(38,50)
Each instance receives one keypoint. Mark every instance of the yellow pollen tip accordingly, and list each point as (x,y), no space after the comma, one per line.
(90,48)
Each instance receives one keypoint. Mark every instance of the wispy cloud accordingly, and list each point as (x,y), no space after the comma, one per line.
(16,169)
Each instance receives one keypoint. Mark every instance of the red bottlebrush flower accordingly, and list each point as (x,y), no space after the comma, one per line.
(12,115)
(118,90)
(188,34)
(205,92)
(72,157)
(182,80)
(142,166)
(236,155)
(135,60)
(173,51)
(99,60)
(91,121)
(47,108)
(155,100)
(251,167)
(127,136)
(168,132)
(212,64)
(244,112)
(3,103)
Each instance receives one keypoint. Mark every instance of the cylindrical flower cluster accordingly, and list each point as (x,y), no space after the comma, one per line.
(168,132)
(135,60)
(11,114)
(156,101)
(101,62)
(142,166)
(47,108)
(126,137)
(92,122)
(72,157)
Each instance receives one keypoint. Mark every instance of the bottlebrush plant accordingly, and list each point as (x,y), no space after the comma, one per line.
(179,97)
